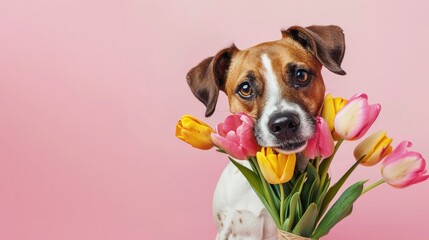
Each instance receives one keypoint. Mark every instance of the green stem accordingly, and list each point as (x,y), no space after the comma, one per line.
(252,164)
(282,200)
(317,163)
(328,164)
(379,182)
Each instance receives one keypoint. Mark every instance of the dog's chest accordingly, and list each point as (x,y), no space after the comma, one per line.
(238,212)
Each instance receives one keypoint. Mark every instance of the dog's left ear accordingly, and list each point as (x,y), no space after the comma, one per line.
(324,42)
(209,77)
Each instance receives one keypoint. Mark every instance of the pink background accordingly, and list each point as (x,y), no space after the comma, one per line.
(90,92)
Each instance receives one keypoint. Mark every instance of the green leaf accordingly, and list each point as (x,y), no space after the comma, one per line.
(285,224)
(220,150)
(312,172)
(293,206)
(299,184)
(256,184)
(287,204)
(299,209)
(306,224)
(313,191)
(310,182)
(295,189)
(276,189)
(321,196)
(275,197)
(341,209)
(336,187)
(323,167)
(254,168)
(298,189)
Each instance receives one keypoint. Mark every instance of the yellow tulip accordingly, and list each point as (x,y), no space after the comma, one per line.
(276,168)
(330,109)
(374,148)
(195,132)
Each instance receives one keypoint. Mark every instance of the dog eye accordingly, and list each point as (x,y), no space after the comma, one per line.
(301,78)
(245,90)
(302,75)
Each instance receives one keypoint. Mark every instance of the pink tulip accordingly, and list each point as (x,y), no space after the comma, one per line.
(235,136)
(356,117)
(402,168)
(321,144)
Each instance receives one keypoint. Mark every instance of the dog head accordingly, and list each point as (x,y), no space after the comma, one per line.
(278,83)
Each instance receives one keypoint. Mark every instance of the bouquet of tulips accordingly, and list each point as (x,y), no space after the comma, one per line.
(299,201)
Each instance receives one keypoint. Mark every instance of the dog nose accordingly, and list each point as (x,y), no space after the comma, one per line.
(283,126)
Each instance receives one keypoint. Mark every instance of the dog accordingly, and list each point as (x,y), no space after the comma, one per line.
(280,85)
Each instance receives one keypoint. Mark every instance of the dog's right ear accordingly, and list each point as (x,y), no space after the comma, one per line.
(324,42)
(208,77)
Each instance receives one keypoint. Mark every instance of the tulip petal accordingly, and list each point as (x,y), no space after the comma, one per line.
(232,122)
(247,139)
(196,140)
(321,144)
(289,168)
(246,119)
(219,130)
(356,117)
(272,159)
(339,103)
(351,118)
(379,153)
(179,129)
(420,178)
(229,146)
(282,159)
(263,151)
(238,129)
(367,146)
(310,150)
(386,152)
(374,148)
(401,148)
(190,122)
(232,137)
(276,167)
(328,112)
(403,181)
(195,132)
(326,143)
(403,172)
(359,96)
(266,169)
(374,110)
(403,168)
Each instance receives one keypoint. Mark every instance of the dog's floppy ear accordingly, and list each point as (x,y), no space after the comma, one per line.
(208,77)
(324,42)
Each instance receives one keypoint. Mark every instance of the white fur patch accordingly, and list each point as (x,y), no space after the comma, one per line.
(275,103)
(273,97)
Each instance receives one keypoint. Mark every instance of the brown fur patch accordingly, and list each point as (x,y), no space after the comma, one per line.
(281,53)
